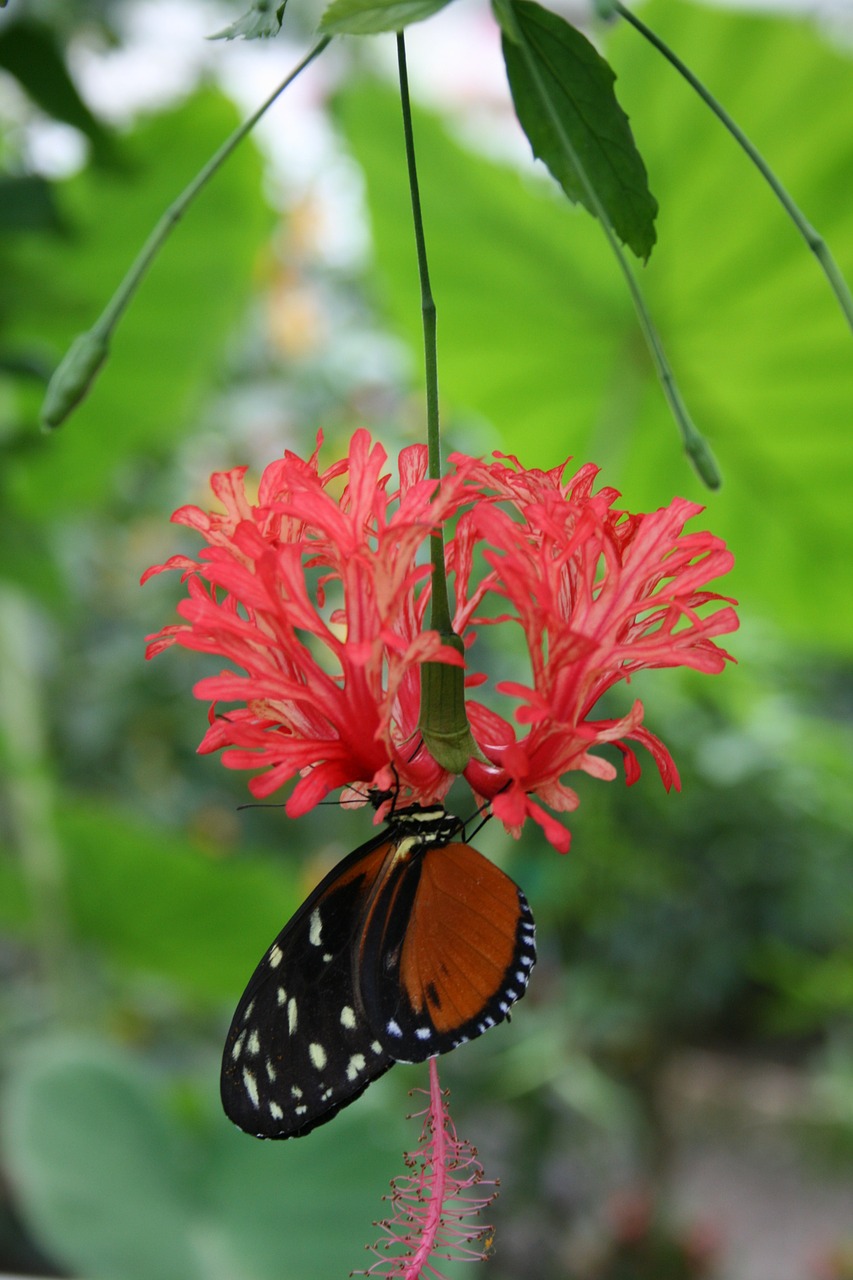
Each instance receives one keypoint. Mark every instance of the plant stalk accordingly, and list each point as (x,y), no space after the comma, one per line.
(440,608)
(443,720)
(810,234)
(80,366)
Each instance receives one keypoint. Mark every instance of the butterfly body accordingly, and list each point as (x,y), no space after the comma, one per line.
(410,946)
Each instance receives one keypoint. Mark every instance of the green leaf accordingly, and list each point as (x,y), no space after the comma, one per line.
(115,1183)
(563,94)
(97,1166)
(263,20)
(30,52)
(369,17)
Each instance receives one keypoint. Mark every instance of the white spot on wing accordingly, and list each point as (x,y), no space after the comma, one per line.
(393,1029)
(317,1054)
(315,931)
(355,1066)
(271,1072)
(347,1017)
(253,1044)
(251,1086)
(281,996)
(238,1046)
(275,955)
(276,1111)
(292,1015)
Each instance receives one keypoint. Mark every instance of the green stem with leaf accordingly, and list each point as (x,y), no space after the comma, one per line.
(695,444)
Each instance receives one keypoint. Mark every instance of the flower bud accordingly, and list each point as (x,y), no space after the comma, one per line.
(443,721)
(73,377)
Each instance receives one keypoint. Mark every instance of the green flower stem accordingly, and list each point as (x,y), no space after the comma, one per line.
(440,608)
(28,798)
(695,444)
(443,721)
(76,373)
(812,237)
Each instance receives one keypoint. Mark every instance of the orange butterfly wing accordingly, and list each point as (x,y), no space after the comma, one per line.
(455,944)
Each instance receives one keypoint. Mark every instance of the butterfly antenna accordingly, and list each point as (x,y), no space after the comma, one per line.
(483,813)
(416,750)
(337,804)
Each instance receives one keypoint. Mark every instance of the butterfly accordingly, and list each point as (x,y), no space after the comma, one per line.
(412,945)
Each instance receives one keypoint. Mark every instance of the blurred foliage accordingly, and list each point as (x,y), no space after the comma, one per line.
(120,1178)
(642,1245)
(163,355)
(538,334)
(134,899)
(30,51)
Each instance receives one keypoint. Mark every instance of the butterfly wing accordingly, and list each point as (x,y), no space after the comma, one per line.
(408,948)
(300,1046)
(447,948)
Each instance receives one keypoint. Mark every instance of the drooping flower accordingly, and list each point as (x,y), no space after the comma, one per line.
(318,592)
(436,1206)
(598,594)
(317,595)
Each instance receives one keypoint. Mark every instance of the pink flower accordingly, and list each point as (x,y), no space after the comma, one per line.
(318,594)
(436,1205)
(598,594)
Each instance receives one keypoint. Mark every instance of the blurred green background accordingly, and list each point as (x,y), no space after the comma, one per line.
(675,1096)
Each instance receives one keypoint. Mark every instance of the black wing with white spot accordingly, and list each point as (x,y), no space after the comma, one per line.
(300,1047)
